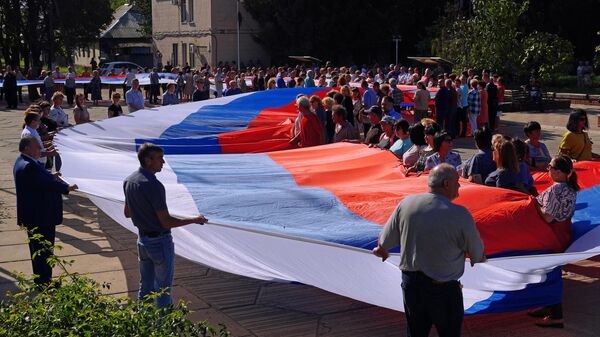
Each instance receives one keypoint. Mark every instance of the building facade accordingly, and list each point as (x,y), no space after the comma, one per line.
(199,32)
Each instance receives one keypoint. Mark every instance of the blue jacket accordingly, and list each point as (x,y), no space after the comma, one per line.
(39,201)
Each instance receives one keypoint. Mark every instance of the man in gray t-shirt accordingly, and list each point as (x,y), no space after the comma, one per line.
(146,205)
(433,234)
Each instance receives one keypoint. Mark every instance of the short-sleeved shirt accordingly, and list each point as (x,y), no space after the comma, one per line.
(525,175)
(578,146)
(135,100)
(452,158)
(539,154)
(481,163)
(410,157)
(558,200)
(169,99)
(373,134)
(345,131)
(433,234)
(400,147)
(503,178)
(59,116)
(144,196)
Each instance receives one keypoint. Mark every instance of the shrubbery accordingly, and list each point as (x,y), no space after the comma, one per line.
(75,306)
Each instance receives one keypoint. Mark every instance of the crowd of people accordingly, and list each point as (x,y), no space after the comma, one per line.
(373,113)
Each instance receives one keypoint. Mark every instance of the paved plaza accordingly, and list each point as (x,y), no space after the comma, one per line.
(107,252)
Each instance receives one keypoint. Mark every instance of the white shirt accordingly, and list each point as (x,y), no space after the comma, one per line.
(59,116)
(128,78)
(28,131)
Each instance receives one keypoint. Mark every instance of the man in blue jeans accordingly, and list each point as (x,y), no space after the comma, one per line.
(146,205)
(433,234)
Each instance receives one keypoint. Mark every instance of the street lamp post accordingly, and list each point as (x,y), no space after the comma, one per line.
(397,39)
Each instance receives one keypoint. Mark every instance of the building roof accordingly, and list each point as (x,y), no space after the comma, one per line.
(125,25)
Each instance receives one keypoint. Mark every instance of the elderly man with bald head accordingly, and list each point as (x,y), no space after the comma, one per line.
(433,234)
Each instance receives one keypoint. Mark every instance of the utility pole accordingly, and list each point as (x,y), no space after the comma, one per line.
(397,39)
(238,34)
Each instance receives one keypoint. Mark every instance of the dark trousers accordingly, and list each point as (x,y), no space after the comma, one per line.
(39,263)
(20,92)
(451,122)
(492,113)
(70,93)
(11,98)
(154,92)
(461,122)
(427,303)
(441,117)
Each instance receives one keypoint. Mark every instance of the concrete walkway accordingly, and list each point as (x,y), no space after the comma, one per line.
(101,247)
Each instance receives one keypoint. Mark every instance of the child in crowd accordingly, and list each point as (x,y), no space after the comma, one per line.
(115,110)
(538,152)
(524,174)
(557,204)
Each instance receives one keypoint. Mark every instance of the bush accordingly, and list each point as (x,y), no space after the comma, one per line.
(75,306)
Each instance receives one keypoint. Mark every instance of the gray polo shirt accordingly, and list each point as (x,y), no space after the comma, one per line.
(433,234)
(145,195)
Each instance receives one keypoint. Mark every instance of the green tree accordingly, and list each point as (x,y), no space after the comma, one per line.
(546,55)
(487,39)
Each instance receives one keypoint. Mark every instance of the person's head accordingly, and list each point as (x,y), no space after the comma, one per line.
(346,91)
(578,121)
(151,157)
(364,84)
(533,131)
(232,84)
(355,94)
(375,113)
(483,138)
(442,142)
(427,121)
(393,82)
(328,103)
(200,85)
(521,149)
(481,85)
(135,84)
(505,155)
(303,105)
(430,132)
(561,169)
(171,88)
(449,84)
(417,134)
(474,83)
(271,84)
(387,103)
(401,129)
(338,98)
(387,125)
(339,114)
(443,179)
(116,97)
(385,88)
(57,98)
(315,102)
(32,119)
(421,85)
(45,108)
(30,146)
(79,100)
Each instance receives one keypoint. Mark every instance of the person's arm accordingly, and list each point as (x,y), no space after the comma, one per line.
(126,211)
(547,217)
(77,115)
(473,245)
(168,221)
(389,236)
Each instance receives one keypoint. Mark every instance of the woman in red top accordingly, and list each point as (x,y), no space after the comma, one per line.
(311,130)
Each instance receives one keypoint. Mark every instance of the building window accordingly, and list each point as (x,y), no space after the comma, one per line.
(184,54)
(183,10)
(190,14)
(192,58)
(175,55)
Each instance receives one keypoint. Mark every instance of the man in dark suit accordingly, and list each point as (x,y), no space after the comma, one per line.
(39,205)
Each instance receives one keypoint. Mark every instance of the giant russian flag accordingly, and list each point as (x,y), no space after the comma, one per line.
(313,215)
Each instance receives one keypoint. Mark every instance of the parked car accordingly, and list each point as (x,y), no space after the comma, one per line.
(105,68)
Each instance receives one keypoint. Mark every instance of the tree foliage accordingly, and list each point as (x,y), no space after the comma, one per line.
(484,40)
(546,55)
(32,28)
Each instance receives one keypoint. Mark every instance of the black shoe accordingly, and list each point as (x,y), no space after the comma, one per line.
(548,322)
